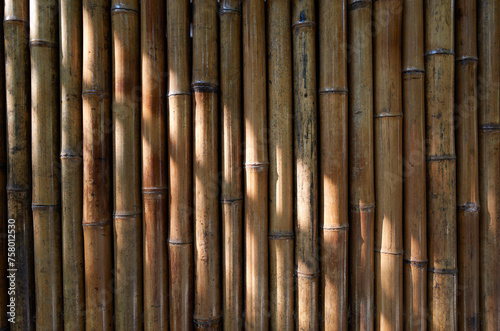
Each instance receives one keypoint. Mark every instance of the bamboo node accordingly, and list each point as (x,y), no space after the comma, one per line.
(153,190)
(42,43)
(489,127)
(385,114)
(416,263)
(126,215)
(307,274)
(174,94)
(11,188)
(359,5)
(338,91)
(205,87)
(207,321)
(174,242)
(120,8)
(342,227)
(362,207)
(470,207)
(256,165)
(67,156)
(36,206)
(414,71)
(95,93)
(443,271)
(281,236)
(15,20)
(231,200)
(465,59)
(439,51)
(303,24)
(393,252)
(103,223)
(445,157)
(229,10)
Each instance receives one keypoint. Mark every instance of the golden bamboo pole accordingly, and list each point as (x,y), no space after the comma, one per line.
(19,157)
(126,164)
(4,284)
(440,153)
(181,176)
(97,222)
(489,160)
(232,180)
(414,190)
(205,84)
(154,165)
(333,184)
(361,174)
(280,103)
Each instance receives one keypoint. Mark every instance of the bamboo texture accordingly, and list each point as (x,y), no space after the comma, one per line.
(4,300)
(180,177)
(232,180)
(414,186)
(97,203)
(280,103)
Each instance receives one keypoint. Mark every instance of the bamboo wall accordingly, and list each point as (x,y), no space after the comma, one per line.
(209,165)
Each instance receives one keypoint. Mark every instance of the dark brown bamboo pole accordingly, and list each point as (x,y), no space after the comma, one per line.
(232,180)
(181,176)
(280,103)
(154,165)
(333,184)
(19,157)
(489,160)
(441,174)
(97,203)
(126,164)
(361,174)
(205,84)
(4,299)
(467,165)
(414,189)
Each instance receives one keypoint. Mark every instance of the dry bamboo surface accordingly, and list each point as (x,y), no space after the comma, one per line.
(181,177)
(361,173)
(280,103)
(333,177)
(19,156)
(489,161)
(415,213)
(97,203)
(3,184)
(232,180)
(205,84)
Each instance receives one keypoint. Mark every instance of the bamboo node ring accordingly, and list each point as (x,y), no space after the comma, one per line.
(281,236)
(338,91)
(303,24)
(445,157)
(439,51)
(207,321)
(339,228)
(42,43)
(359,5)
(490,127)
(443,271)
(470,207)
(417,263)
(307,274)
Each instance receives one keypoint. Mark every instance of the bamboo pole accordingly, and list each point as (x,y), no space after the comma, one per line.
(333,184)
(280,103)
(489,160)
(4,299)
(19,157)
(154,165)
(126,174)
(256,166)
(205,84)
(387,22)
(361,174)
(441,185)
(97,222)
(181,176)
(232,181)
(414,190)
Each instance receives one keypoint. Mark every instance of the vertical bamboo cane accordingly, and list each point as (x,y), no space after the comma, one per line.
(280,103)
(3,185)
(205,85)
(361,181)
(415,214)
(181,176)
(333,208)
(441,186)
(126,173)
(489,160)
(256,166)
(467,165)
(232,184)
(19,157)
(97,222)
(154,165)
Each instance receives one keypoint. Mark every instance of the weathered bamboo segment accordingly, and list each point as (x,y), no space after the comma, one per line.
(280,103)
(181,177)
(19,157)
(388,150)
(414,185)
(205,84)
(126,164)
(333,178)
(361,174)
(467,165)
(440,154)
(489,160)
(232,180)
(154,165)
(97,218)
(4,299)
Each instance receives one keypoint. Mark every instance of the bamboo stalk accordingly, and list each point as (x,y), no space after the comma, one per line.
(387,21)
(97,222)
(205,84)
(4,284)
(441,170)
(415,213)
(361,174)
(280,103)
(181,175)
(19,157)
(126,174)
(489,160)
(232,181)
